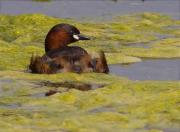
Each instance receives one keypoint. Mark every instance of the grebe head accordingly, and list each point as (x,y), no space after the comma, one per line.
(61,35)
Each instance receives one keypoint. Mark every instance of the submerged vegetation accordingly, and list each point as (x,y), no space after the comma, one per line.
(119,104)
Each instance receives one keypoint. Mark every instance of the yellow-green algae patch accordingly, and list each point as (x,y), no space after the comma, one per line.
(121,105)
(22,35)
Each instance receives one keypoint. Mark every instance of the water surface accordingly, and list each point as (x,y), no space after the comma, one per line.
(94,9)
(152,69)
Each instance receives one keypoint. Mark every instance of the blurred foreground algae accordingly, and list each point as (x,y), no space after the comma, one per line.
(120,105)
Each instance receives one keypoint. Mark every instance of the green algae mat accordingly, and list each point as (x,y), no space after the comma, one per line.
(88,102)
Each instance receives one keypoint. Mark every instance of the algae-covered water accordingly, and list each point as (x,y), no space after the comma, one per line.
(90,102)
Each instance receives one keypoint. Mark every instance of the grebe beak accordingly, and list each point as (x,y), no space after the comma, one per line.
(80,37)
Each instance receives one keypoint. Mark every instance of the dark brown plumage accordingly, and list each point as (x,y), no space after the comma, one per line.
(62,58)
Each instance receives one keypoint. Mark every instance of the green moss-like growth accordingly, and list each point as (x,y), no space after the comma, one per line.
(22,35)
(120,105)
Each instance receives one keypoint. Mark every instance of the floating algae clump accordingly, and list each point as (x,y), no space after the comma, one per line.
(27,30)
(118,105)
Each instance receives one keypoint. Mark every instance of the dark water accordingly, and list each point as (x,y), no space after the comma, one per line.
(153,69)
(94,9)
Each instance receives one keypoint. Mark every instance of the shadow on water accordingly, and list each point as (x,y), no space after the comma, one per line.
(61,87)
(72,85)
(92,9)
(150,69)
(57,87)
